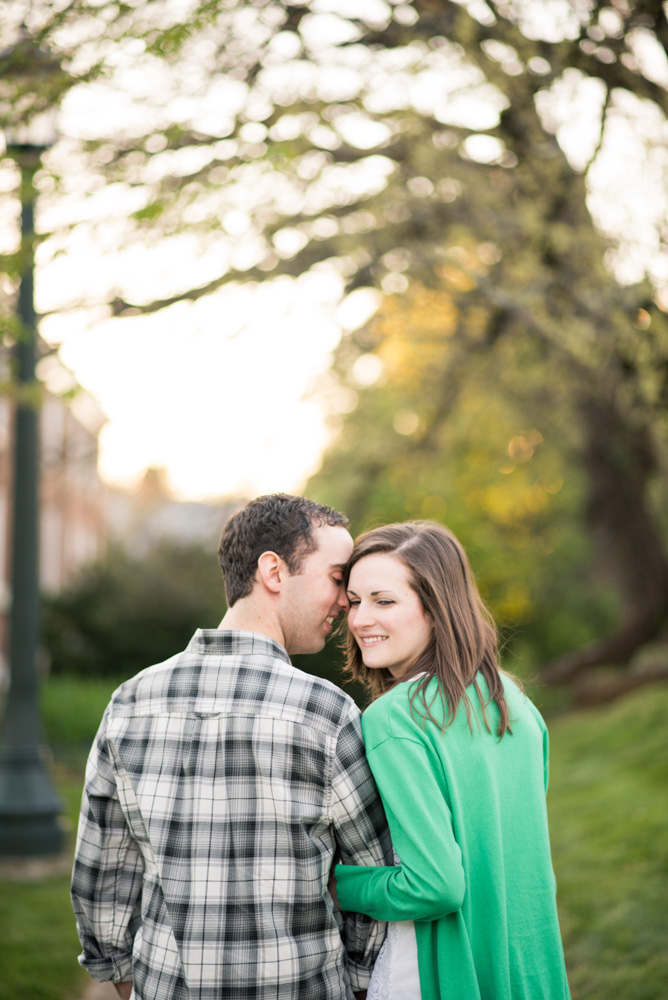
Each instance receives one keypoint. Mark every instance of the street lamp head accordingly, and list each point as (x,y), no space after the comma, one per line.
(38,134)
(31,82)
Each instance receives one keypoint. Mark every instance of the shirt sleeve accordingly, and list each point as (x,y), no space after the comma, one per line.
(430,881)
(107,874)
(362,838)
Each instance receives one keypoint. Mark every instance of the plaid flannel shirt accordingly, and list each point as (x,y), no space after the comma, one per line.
(220,787)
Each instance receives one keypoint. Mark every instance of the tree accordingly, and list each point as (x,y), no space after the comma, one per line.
(481,455)
(367,170)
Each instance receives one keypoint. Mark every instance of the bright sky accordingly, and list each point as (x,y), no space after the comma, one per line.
(221,393)
(224,393)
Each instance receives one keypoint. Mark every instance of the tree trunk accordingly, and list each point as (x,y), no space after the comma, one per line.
(619,463)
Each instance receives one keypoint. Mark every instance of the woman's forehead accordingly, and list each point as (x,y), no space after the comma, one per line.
(378,571)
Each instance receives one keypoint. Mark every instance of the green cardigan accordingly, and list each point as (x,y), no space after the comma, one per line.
(468,819)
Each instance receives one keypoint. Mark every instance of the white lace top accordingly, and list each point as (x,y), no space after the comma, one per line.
(395,974)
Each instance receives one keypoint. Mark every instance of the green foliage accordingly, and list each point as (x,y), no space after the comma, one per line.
(129,612)
(477,453)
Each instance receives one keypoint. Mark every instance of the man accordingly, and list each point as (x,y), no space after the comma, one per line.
(223,783)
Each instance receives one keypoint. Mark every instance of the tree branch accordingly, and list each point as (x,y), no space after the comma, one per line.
(590,695)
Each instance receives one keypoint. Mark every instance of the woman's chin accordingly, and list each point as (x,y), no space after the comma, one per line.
(371,663)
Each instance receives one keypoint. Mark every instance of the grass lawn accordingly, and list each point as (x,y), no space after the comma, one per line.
(608,806)
(38,954)
(608,814)
(39,939)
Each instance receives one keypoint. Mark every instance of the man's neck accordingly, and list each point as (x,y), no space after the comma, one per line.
(247,617)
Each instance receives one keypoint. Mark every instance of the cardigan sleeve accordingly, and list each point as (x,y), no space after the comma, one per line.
(430,881)
(362,838)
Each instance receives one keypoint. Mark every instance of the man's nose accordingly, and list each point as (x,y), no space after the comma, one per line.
(342,600)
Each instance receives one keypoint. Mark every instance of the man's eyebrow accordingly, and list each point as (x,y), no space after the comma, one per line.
(339,566)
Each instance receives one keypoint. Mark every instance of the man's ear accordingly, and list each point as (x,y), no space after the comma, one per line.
(271,571)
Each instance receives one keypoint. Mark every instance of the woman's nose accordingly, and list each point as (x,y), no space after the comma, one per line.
(363,615)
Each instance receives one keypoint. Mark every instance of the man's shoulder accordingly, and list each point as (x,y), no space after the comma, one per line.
(321,702)
(209,655)
(225,671)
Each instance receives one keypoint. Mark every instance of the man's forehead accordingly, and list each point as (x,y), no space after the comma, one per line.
(333,543)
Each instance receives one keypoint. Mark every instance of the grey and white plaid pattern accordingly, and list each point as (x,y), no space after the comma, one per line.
(219,788)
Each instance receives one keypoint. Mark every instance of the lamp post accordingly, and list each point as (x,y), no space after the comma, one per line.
(29,805)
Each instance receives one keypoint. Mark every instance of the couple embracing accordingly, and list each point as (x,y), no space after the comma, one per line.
(245,835)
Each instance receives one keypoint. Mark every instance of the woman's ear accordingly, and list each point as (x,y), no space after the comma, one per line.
(270,568)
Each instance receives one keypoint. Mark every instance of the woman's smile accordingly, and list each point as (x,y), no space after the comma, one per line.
(381,595)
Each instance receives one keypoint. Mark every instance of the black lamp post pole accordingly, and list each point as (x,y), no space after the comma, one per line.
(29,805)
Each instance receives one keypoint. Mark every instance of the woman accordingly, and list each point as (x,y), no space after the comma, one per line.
(460,758)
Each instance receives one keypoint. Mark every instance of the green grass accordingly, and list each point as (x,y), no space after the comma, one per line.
(72,708)
(39,943)
(38,955)
(609,822)
(609,825)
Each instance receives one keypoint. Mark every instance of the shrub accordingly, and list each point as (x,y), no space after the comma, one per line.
(127,612)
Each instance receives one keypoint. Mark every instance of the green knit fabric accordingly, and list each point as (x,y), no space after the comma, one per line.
(468,819)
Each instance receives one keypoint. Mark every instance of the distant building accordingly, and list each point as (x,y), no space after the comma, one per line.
(73,516)
(79,514)
(74,527)
(150,514)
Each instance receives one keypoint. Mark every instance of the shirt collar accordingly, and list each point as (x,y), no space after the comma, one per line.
(235,642)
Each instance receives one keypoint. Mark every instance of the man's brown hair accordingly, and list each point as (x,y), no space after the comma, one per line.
(277,523)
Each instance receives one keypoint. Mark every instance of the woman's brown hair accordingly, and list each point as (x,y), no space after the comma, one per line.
(464,637)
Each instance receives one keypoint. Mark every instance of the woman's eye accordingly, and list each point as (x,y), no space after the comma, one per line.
(352,602)
(385,603)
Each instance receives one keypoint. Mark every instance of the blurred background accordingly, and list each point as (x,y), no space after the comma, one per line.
(407,258)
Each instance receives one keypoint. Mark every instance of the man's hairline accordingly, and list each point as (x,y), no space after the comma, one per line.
(339,567)
(336,567)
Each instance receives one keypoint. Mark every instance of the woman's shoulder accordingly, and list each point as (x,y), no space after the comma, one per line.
(398,698)
(391,715)
(519,701)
